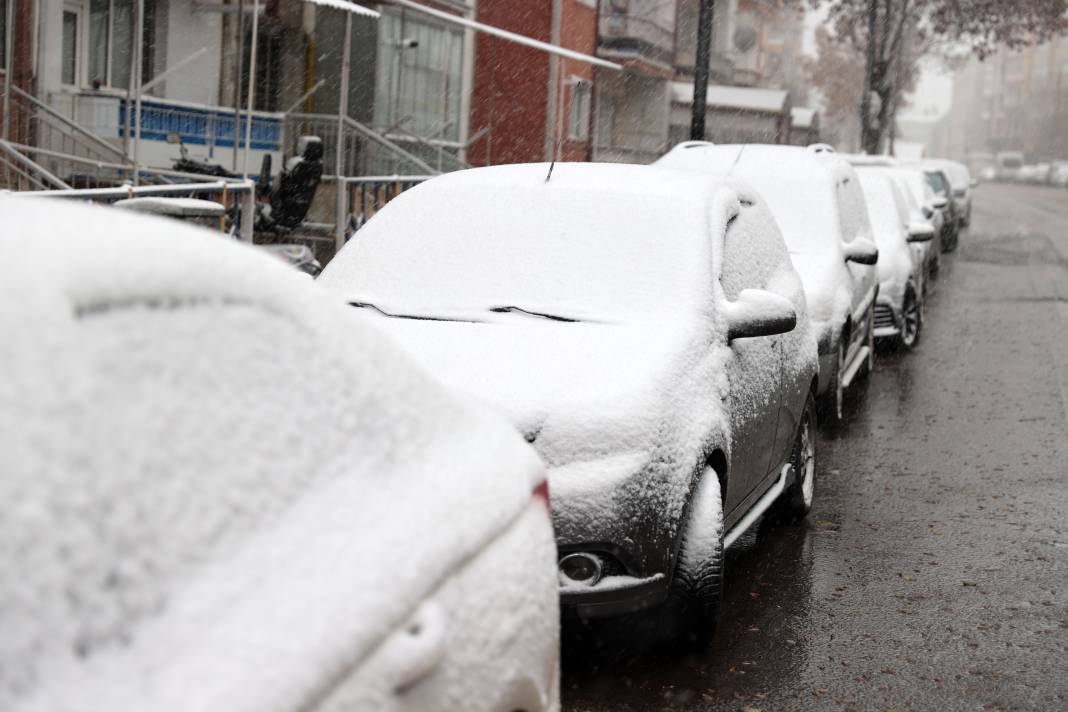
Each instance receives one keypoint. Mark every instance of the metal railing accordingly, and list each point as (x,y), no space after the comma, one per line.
(360,198)
(364,150)
(21,173)
(54,142)
(241,195)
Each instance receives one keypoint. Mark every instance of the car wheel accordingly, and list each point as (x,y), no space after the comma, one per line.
(935,265)
(797,501)
(911,321)
(832,403)
(693,601)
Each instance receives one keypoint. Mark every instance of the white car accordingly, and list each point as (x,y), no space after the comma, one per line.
(960,180)
(224,492)
(923,206)
(899,308)
(816,198)
(643,328)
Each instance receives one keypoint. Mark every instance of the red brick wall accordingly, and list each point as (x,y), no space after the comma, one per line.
(510,91)
(23,64)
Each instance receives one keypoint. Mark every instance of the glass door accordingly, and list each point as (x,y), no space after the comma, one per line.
(71,64)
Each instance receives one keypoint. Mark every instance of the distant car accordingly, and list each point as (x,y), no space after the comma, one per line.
(1059,174)
(1007,165)
(816,199)
(900,306)
(961,182)
(943,202)
(924,205)
(643,328)
(223,491)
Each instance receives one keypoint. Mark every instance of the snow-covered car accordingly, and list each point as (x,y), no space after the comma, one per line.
(960,180)
(899,308)
(816,199)
(1059,174)
(943,202)
(225,492)
(922,203)
(643,328)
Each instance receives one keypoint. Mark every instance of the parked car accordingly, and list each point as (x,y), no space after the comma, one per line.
(1059,174)
(638,327)
(1007,165)
(944,203)
(923,205)
(900,306)
(961,182)
(816,199)
(223,491)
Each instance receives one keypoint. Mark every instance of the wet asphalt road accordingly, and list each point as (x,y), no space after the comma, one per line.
(933,572)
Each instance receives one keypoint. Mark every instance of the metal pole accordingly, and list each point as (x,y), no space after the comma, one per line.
(342,112)
(139,39)
(700,70)
(237,77)
(9,69)
(251,83)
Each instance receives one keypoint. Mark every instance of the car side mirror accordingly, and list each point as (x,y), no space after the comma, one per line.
(921,231)
(940,202)
(757,312)
(862,251)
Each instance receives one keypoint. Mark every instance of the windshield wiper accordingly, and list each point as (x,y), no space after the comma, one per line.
(419,317)
(543,315)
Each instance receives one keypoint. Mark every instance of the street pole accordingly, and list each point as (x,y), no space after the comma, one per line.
(869,67)
(251,84)
(702,59)
(237,77)
(340,211)
(9,69)
(138,76)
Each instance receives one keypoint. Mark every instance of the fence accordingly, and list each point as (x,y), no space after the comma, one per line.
(360,198)
(241,195)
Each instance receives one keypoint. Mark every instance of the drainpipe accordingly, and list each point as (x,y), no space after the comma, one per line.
(9,69)
(554,86)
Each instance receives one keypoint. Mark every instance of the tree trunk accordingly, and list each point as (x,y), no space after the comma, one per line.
(866,138)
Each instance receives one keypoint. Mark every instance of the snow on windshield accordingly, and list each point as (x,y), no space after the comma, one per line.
(581,249)
(885,220)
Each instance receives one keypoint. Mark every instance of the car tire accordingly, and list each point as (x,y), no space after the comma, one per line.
(796,502)
(869,363)
(696,590)
(911,321)
(832,403)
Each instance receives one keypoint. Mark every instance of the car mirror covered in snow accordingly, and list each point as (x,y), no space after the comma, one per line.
(759,313)
(921,231)
(940,202)
(861,251)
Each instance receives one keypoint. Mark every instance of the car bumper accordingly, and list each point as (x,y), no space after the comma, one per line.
(624,509)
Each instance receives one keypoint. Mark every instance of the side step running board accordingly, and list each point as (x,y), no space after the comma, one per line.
(760,507)
(854,367)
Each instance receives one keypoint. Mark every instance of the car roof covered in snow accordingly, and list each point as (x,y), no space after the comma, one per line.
(197,441)
(587,241)
(798,183)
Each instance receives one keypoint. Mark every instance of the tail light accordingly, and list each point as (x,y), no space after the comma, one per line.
(541,493)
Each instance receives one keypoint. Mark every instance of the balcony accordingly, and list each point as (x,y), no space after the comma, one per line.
(638,34)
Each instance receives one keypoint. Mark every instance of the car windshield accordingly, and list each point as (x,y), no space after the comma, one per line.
(886,222)
(937,181)
(523,253)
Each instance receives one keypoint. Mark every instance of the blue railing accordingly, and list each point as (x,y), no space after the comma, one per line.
(202,127)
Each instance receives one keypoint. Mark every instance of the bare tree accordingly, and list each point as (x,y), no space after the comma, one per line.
(881,28)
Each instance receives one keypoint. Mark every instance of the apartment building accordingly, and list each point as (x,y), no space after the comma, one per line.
(1013,100)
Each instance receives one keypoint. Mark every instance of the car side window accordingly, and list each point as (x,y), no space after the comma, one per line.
(753,250)
(852,212)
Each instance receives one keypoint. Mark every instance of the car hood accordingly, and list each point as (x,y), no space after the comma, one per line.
(536,372)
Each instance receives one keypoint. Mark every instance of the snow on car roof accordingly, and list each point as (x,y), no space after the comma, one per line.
(731,97)
(587,243)
(797,183)
(196,440)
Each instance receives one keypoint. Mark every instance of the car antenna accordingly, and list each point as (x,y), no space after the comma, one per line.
(551,166)
(737,158)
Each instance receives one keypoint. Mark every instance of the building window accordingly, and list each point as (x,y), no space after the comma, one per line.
(3,33)
(419,76)
(111,40)
(72,46)
(606,116)
(578,115)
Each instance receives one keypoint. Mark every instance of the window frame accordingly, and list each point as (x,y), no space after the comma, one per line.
(579,109)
